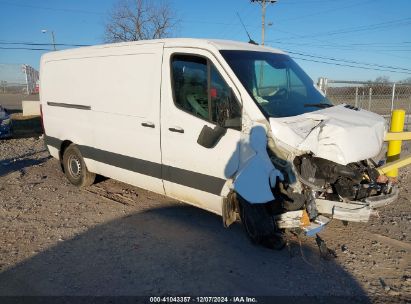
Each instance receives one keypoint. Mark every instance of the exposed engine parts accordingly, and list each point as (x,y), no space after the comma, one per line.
(309,193)
(355,181)
(324,187)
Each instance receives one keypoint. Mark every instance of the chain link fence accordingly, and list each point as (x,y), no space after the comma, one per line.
(18,79)
(381,98)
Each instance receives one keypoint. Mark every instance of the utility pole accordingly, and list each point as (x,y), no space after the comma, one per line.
(53,39)
(263,4)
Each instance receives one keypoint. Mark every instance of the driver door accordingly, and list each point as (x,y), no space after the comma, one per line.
(196,95)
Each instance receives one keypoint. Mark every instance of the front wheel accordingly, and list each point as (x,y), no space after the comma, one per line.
(75,167)
(259,225)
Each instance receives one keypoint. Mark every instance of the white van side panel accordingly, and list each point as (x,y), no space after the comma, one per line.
(116,84)
(107,101)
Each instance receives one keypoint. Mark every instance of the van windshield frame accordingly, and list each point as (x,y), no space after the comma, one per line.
(278,86)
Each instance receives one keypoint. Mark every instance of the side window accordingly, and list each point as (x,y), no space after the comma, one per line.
(225,109)
(190,84)
(200,90)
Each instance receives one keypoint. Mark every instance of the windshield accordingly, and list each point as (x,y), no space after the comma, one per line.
(276,83)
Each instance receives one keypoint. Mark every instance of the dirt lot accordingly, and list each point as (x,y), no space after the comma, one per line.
(115,239)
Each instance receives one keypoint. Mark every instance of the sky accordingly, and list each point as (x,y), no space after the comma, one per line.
(327,38)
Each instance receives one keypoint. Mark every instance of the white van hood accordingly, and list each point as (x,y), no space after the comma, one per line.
(341,134)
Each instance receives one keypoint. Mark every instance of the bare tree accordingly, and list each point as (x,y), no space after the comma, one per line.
(382,79)
(131,20)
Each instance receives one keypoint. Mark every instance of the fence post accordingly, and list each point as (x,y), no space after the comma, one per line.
(369,98)
(356,96)
(362,99)
(392,97)
(3,85)
(320,83)
(24,68)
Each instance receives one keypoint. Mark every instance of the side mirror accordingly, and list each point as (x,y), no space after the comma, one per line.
(233,119)
(209,137)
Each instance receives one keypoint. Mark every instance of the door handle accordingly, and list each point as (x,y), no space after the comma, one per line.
(176,129)
(148,124)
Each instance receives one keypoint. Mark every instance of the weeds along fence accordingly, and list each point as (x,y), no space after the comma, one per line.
(380,98)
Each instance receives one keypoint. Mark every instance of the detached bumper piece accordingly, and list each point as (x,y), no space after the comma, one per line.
(351,211)
(345,211)
(316,226)
(295,219)
(354,211)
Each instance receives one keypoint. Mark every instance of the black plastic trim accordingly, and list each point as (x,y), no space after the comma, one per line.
(179,176)
(68,105)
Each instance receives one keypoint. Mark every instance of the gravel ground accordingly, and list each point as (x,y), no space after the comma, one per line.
(115,239)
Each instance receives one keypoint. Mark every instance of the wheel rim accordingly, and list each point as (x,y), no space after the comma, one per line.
(74,166)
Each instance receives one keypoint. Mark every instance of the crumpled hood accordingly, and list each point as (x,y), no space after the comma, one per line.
(341,134)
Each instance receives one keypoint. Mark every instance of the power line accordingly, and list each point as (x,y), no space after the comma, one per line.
(355,4)
(299,2)
(348,46)
(354,62)
(301,36)
(349,61)
(328,44)
(351,66)
(369,27)
(40,44)
(382,43)
(24,48)
(335,61)
(66,10)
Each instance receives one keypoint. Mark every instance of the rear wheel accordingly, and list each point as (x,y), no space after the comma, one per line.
(75,167)
(259,225)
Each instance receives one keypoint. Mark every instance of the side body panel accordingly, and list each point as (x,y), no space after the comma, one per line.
(107,101)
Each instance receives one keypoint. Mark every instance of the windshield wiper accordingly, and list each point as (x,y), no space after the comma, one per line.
(318,105)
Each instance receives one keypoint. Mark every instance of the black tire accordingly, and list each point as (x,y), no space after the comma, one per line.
(259,225)
(75,169)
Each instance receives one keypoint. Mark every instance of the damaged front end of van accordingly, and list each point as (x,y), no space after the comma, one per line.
(309,161)
(301,172)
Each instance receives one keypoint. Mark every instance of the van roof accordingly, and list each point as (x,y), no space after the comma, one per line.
(176,42)
(219,44)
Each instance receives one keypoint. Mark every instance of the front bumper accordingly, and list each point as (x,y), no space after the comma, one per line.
(350,211)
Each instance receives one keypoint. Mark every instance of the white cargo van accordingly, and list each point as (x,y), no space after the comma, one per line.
(233,128)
